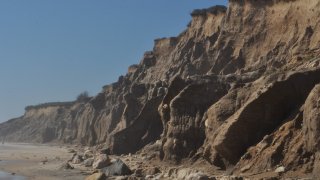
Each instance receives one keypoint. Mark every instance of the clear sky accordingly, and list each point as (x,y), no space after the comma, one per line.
(52,50)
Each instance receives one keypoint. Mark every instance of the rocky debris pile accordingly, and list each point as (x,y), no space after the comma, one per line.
(77,159)
(134,166)
(99,165)
(88,162)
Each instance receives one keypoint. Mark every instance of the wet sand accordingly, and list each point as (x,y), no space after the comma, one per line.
(8,176)
(28,160)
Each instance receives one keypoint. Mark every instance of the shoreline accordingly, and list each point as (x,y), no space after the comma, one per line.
(11,176)
(37,161)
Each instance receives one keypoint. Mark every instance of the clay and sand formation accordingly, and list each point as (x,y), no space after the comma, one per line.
(234,96)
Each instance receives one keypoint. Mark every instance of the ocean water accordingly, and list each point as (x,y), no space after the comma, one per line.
(7,176)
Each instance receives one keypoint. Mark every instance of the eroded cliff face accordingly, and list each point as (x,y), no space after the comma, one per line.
(44,123)
(231,89)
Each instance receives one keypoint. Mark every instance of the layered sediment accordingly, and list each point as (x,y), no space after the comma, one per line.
(238,88)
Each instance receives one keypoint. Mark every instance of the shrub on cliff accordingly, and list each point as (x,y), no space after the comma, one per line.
(84,96)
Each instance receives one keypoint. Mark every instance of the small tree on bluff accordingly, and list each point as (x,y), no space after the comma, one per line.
(83,96)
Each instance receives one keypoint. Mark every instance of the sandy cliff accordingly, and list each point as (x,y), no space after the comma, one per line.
(236,88)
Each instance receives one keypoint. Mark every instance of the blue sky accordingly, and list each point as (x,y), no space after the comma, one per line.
(52,50)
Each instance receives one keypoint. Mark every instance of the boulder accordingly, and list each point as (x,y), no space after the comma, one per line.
(97,176)
(77,159)
(66,166)
(88,162)
(280,169)
(117,168)
(101,161)
(88,154)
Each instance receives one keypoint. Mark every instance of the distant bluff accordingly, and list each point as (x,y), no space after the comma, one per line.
(238,88)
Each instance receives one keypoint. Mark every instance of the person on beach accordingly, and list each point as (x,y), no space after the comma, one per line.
(3,139)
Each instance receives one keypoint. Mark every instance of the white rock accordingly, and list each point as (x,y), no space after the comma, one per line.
(101,161)
(280,169)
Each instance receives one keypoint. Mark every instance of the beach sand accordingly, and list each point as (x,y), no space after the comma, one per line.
(27,160)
